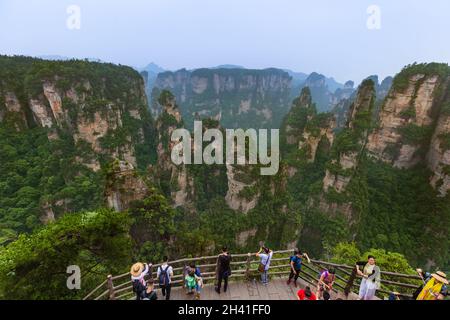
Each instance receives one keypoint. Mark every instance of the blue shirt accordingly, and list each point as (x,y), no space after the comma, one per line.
(297,262)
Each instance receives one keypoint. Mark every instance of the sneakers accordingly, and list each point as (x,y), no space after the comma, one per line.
(217,290)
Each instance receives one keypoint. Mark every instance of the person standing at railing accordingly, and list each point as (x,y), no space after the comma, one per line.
(296,265)
(371,277)
(265,255)
(164,275)
(434,287)
(223,270)
(138,272)
(326,282)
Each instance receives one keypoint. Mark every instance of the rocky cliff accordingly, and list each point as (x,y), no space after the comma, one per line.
(413,123)
(94,113)
(346,152)
(173,179)
(238,98)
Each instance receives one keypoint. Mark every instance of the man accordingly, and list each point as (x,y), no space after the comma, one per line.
(223,270)
(371,275)
(296,265)
(305,294)
(165,274)
(265,254)
(138,272)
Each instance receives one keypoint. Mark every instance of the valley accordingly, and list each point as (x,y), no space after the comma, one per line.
(87,177)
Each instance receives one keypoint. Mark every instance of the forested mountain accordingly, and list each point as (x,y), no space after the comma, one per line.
(86,176)
(243,98)
(236,97)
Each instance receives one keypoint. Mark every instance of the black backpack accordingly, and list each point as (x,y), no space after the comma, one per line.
(138,287)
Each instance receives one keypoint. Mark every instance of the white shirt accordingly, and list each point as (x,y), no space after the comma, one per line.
(265,259)
(169,271)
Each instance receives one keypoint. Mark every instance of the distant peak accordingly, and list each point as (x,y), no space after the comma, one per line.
(153,68)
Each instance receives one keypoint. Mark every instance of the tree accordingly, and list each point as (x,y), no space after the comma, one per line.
(34,266)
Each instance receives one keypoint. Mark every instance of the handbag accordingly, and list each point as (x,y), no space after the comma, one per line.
(262,267)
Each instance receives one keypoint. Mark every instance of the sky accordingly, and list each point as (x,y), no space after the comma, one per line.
(345,39)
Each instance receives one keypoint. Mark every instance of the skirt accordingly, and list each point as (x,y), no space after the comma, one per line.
(367,289)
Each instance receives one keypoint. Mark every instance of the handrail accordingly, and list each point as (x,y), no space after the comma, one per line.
(124,287)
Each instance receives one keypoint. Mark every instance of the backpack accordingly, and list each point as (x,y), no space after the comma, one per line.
(163,276)
(190,281)
(138,287)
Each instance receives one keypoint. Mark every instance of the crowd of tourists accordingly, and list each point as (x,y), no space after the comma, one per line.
(434,285)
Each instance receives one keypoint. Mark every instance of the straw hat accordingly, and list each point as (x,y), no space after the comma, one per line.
(440,276)
(136,269)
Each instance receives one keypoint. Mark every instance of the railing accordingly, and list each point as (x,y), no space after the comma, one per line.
(245,267)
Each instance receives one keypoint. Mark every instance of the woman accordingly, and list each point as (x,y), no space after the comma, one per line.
(265,254)
(138,272)
(150,293)
(435,287)
(371,279)
(326,282)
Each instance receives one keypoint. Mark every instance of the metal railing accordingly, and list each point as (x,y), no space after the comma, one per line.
(245,267)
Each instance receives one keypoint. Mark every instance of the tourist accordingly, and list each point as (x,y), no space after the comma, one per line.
(223,270)
(150,292)
(306,294)
(371,279)
(138,272)
(265,255)
(198,280)
(165,274)
(190,281)
(435,286)
(296,265)
(326,282)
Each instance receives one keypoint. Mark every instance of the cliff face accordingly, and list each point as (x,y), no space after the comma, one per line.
(403,110)
(438,157)
(82,107)
(174,179)
(98,112)
(350,143)
(414,126)
(238,98)
(342,103)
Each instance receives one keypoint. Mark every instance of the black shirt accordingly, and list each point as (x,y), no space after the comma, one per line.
(224,262)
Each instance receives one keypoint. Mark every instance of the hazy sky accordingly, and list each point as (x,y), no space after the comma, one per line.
(326,36)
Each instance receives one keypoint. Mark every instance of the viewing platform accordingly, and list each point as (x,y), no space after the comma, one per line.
(244,282)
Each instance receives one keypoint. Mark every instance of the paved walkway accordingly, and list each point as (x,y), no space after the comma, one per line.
(250,290)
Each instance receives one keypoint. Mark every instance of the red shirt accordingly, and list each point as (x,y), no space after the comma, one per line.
(301,295)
